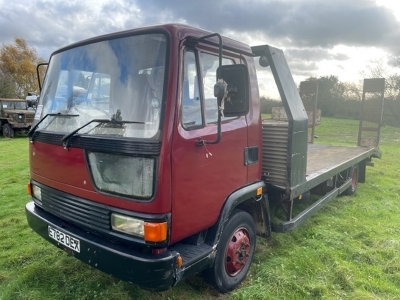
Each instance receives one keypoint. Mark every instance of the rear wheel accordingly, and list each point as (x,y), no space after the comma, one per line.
(234,253)
(353,174)
(8,132)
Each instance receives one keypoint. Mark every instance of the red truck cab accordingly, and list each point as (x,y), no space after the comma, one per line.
(124,172)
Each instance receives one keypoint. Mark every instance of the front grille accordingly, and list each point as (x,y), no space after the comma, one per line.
(92,216)
(78,211)
(29,118)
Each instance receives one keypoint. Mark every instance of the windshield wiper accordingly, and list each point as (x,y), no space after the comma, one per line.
(33,129)
(66,138)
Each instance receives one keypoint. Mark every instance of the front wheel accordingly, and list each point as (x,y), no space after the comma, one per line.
(234,253)
(8,132)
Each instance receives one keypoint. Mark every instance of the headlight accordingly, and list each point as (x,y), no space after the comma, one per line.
(127,224)
(149,231)
(18,117)
(125,175)
(37,192)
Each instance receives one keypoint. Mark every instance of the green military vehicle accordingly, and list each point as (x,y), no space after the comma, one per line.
(15,116)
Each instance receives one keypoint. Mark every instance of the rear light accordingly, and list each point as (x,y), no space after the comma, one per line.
(124,175)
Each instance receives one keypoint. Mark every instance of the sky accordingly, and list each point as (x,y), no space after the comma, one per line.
(319,37)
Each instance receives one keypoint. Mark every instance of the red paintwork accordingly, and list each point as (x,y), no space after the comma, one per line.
(67,170)
(253,119)
(190,186)
(200,185)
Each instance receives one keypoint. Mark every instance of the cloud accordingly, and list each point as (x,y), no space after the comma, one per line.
(314,54)
(300,23)
(394,61)
(49,25)
(308,30)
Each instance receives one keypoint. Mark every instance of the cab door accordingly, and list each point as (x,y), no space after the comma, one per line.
(203,176)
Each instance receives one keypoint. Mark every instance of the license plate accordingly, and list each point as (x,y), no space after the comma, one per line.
(64,239)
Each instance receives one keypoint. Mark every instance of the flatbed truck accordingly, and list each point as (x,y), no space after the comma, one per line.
(150,161)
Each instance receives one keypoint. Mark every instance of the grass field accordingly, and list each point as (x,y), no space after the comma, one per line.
(349,250)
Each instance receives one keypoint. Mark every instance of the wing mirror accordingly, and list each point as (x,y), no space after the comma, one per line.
(234,89)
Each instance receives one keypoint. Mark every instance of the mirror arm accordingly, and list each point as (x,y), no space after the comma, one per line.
(200,141)
(219,45)
(38,74)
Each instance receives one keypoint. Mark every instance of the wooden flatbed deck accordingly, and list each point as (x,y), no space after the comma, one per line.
(323,158)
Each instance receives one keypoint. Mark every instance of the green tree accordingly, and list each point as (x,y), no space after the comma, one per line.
(18,63)
(330,94)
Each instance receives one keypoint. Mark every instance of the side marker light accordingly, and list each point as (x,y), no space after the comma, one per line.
(155,232)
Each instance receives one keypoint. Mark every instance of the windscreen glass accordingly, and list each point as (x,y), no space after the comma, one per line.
(119,80)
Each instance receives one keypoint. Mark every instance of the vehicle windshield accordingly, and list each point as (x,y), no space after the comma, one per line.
(120,79)
(13,104)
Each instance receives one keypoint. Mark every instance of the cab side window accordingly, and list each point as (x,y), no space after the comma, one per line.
(191,103)
(198,90)
(209,66)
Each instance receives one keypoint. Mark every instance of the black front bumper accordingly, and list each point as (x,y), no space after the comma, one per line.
(155,272)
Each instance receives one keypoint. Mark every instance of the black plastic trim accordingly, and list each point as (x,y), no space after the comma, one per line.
(155,272)
(251,155)
(103,143)
(93,216)
(236,198)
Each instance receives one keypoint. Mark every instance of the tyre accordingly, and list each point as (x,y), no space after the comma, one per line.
(8,132)
(235,252)
(353,174)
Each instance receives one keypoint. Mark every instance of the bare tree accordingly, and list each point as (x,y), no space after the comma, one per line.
(352,91)
(377,69)
(7,87)
(18,63)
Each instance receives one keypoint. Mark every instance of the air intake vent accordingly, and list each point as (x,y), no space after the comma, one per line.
(275,150)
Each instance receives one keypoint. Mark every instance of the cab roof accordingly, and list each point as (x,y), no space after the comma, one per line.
(174,30)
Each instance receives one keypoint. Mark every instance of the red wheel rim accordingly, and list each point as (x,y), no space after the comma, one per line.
(237,252)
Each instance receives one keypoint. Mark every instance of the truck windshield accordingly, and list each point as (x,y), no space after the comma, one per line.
(120,79)
(20,105)
(13,104)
